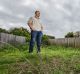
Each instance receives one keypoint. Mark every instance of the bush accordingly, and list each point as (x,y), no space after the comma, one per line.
(70,34)
(45,40)
(21,32)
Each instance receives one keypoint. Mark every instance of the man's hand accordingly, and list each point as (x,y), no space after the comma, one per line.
(31,28)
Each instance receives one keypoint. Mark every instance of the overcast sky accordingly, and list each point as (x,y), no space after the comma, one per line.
(58,16)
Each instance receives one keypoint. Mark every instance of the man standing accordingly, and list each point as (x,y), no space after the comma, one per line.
(36,31)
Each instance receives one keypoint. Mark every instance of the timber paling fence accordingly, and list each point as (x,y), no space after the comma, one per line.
(13,39)
(70,42)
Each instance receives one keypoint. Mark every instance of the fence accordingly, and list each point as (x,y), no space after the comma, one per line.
(9,38)
(73,42)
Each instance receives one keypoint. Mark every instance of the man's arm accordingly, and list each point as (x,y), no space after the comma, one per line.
(41,27)
(30,23)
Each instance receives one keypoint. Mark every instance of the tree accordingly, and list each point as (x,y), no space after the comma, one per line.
(70,34)
(20,32)
(3,30)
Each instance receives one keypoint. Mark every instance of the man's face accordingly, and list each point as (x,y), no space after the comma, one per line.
(37,14)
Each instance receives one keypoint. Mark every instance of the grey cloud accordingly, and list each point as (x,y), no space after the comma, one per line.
(58,16)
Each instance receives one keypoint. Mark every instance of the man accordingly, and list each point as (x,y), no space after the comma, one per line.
(36,31)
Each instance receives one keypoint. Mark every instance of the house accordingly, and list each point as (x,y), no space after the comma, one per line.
(77,34)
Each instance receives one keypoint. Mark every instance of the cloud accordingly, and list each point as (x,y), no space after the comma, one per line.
(58,16)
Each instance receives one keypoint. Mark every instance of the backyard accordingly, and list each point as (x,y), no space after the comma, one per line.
(52,60)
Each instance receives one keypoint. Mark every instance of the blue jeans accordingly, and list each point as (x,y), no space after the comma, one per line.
(35,36)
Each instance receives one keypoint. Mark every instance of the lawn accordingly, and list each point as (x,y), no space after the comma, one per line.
(52,60)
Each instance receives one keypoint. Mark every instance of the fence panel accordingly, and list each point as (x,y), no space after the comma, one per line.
(9,38)
(73,42)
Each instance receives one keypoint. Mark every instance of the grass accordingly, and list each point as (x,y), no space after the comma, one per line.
(53,60)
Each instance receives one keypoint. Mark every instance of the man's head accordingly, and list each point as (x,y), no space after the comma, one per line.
(37,13)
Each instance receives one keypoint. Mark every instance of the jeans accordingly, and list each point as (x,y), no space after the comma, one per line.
(35,36)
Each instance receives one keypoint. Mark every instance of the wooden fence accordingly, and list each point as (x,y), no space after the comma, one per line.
(72,42)
(9,38)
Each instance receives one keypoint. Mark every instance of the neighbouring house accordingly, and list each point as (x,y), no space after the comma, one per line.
(77,34)
(51,37)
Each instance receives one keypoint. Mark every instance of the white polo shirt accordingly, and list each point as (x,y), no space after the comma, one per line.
(36,23)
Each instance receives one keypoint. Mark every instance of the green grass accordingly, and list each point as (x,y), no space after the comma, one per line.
(55,60)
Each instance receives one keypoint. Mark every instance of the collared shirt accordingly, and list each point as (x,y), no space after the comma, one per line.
(36,23)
